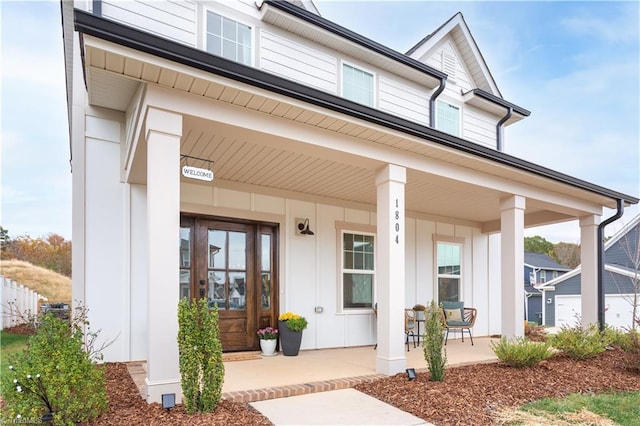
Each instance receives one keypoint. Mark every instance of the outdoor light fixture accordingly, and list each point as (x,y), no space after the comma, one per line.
(411,373)
(303,227)
(168,401)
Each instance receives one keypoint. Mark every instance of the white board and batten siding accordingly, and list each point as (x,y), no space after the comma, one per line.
(298,62)
(175,20)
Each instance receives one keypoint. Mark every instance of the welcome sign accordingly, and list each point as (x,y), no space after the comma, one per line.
(197,173)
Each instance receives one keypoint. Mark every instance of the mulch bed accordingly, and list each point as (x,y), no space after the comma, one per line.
(474,394)
(126,407)
(469,395)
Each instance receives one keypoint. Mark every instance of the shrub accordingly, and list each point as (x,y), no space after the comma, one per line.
(630,344)
(521,352)
(534,332)
(200,351)
(581,342)
(55,374)
(433,343)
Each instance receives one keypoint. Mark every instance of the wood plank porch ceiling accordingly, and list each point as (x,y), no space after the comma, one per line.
(115,72)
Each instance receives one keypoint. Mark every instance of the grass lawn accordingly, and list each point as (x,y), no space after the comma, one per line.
(621,408)
(10,344)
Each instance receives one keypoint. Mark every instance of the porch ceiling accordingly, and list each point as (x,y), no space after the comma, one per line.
(242,157)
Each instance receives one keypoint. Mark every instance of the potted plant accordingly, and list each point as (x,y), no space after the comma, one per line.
(268,340)
(291,326)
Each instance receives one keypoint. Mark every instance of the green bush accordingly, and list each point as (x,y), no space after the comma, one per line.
(433,343)
(630,344)
(581,342)
(200,350)
(521,352)
(54,374)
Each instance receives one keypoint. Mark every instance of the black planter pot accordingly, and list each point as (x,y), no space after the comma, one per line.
(289,340)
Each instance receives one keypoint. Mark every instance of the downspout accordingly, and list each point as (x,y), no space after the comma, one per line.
(499,128)
(432,102)
(601,260)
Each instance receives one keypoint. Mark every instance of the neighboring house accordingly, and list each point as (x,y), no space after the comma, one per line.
(291,123)
(621,279)
(538,269)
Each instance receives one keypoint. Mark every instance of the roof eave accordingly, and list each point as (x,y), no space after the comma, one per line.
(145,42)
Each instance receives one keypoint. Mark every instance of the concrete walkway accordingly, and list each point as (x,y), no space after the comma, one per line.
(339,407)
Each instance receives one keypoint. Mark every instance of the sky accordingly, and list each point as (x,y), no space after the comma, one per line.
(574,65)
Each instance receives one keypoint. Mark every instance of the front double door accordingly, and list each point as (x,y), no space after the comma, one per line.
(234,265)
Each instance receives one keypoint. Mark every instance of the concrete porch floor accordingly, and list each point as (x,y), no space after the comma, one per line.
(255,378)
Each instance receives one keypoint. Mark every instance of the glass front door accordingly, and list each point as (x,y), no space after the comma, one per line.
(232,265)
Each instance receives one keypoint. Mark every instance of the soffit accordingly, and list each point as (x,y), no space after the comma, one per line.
(115,72)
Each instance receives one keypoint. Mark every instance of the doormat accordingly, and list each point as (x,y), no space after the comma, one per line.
(240,356)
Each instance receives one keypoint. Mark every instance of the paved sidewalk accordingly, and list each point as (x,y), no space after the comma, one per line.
(338,407)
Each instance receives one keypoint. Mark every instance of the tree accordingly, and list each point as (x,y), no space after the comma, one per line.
(567,254)
(630,245)
(538,244)
(5,240)
(51,252)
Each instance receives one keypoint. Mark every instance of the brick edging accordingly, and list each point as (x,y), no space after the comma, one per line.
(246,396)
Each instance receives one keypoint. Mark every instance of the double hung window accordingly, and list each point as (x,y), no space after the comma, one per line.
(357,85)
(358,271)
(228,38)
(448,118)
(449,256)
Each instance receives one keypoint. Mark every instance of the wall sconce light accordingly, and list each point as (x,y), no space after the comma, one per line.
(549,301)
(168,401)
(411,373)
(302,225)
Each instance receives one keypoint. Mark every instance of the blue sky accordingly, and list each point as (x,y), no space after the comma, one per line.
(574,65)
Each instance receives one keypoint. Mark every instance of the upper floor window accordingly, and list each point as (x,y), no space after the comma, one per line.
(357,85)
(448,118)
(358,272)
(228,38)
(449,257)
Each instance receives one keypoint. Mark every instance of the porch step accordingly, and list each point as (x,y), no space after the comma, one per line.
(300,389)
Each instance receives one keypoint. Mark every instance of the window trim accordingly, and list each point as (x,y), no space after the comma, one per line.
(374,82)
(449,240)
(203,33)
(455,105)
(352,228)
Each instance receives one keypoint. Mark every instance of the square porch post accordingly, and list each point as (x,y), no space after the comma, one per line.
(390,261)
(512,276)
(163,132)
(589,268)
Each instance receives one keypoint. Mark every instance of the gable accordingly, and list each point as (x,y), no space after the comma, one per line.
(624,249)
(447,58)
(458,34)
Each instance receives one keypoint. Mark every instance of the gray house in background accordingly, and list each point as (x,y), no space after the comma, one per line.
(539,268)
(621,284)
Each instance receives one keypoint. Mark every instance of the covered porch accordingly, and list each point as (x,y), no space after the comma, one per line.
(251,377)
(283,151)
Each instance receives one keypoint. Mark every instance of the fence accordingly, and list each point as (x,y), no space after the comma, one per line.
(17,303)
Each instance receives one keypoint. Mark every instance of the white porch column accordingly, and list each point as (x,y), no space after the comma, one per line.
(163,131)
(589,268)
(390,357)
(512,277)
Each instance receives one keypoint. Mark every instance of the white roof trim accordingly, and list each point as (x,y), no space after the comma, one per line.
(432,41)
(550,285)
(622,232)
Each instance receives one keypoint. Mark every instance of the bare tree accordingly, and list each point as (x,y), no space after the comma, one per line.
(630,246)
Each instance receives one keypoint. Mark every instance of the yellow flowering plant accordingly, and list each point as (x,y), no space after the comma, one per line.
(293,321)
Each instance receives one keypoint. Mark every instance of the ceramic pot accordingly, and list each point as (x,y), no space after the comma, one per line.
(289,340)
(268,347)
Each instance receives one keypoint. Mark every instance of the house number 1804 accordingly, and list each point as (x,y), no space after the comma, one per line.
(396,215)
